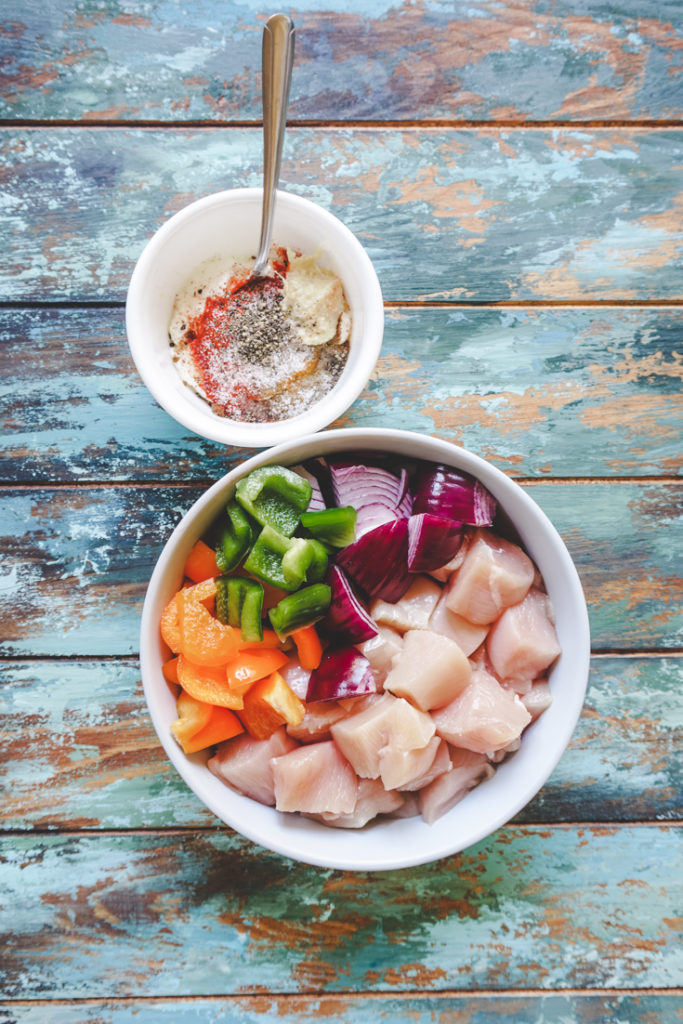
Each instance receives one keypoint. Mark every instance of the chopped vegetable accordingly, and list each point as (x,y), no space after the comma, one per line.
(308,647)
(303,608)
(193,715)
(335,526)
(445,492)
(378,561)
(222,725)
(235,538)
(250,666)
(305,559)
(274,496)
(432,541)
(170,630)
(170,670)
(373,491)
(239,602)
(268,704)
(207,684)
(346,618)
(341,673)
(201,563)
(204,640)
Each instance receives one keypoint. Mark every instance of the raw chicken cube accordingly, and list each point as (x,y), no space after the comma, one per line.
(398,768)
(316,723)
(379,650)
(296,677)
(496,756)
(485,717)
(468,769)
(523,642)
(373,799)
(413,609)
(315,779)
(467,635)
(430,671)
(538,699)
(244,763)
(440,764)
(390,723)
(494,575)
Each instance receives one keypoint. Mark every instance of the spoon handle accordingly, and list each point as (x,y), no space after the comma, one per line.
(277,58)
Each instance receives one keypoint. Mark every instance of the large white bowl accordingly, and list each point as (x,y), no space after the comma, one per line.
(228,223)
(401,842)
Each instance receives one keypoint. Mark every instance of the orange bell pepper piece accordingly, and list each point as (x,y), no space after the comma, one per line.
(308,647)
(249,666)
(170,629)
(170,670)
(204,640)
(201,563)
(222,725)
(208,684)
(268,704)
(193,715)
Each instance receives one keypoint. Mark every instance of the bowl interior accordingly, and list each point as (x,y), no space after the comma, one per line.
(228,224)
(400,842)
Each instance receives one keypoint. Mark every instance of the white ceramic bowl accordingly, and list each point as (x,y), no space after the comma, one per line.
(228,223)
(401,842)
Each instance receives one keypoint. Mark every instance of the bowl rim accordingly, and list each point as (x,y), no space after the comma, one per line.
(291,844)
(203,421)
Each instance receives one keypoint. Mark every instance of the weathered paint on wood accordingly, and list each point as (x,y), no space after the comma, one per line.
(556,1008)
(480,60)
(459,215)
(209,913)
(80,752)
(75,562)
(552,392)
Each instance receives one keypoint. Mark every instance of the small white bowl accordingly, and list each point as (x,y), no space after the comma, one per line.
(389,843)
(225,224)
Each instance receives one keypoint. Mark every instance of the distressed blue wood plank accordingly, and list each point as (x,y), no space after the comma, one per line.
(464,60)
(74,563)
(210,914)
(480,215)
(79,750)
(538,392)
(551,1008)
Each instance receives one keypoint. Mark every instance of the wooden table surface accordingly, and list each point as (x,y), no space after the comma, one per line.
(515,171)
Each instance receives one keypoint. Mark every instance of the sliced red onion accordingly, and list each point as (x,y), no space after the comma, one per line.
(341,673)
(405,502)
(317,502)
(432,541)
(359,484)
(319,468)
(445,492)
(346,619)
(378,561)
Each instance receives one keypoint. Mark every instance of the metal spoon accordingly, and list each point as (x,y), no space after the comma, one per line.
(277,59)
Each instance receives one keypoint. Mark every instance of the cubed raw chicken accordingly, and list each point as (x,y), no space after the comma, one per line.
(314,779)
(320,715)
(379,650)
(413,609)
(468,769)
(430,671)
(440,764)
(244,763)
(538,699)
(389,724)
(296,677)
(398,768)
(467,635)
(497,756)
(485,717)
(523,642)
(494,575)
(373,799)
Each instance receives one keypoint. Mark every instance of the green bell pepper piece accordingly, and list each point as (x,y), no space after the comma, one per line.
(305,607)
(265,559)
(245,604)
(335,526)
(305,559)
(275,496)
(234,539)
